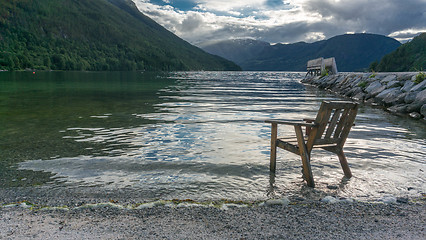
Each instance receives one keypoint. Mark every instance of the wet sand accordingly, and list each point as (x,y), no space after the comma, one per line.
(297,220)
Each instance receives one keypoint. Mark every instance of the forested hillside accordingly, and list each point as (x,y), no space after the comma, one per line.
(92,35)
(410,56)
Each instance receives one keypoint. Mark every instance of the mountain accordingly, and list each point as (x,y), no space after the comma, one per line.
(410,56)
(236,50)
(93,35)
(353,52)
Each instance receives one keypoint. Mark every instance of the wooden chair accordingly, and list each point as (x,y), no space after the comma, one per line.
(328,131)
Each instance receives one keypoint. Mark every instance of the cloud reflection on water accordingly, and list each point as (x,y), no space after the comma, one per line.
(207,140)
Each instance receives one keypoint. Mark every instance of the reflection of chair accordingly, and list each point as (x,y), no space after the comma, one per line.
(328,131)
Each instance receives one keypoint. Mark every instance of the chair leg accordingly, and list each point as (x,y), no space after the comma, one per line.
(306,160)
(344,164)
(307,171)
(273,159)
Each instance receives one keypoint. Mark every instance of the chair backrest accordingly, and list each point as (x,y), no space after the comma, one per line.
(334,119)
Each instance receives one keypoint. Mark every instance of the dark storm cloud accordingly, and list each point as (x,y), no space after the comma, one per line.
(380,16)
(286,21)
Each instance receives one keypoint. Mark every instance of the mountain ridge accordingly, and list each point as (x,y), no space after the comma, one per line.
(353,52)
(93,35)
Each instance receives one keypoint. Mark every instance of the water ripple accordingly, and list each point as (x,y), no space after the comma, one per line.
(206,138)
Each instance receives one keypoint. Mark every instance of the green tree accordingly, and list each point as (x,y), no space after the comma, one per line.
(58,62)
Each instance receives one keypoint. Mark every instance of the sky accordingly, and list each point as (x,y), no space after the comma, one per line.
(286,21)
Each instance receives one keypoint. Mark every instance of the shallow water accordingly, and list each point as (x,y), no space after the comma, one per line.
(197,135)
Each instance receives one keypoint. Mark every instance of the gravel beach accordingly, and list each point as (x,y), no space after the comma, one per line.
(294,220)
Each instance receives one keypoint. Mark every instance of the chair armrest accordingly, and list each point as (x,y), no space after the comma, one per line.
(293,123)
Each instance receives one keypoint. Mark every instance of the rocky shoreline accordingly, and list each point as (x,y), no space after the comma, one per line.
(400,93)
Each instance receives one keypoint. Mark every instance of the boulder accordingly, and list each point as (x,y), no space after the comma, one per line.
(388,93)
(347,80)
(394,98)
(419,87)
(423,110)
(421,97)
(332,80)
(393,84)
(340,79)
(355,82)
(388,79)
(372,86)
(407,86)
(410,97)
(359,97)
(404,77)
(353,91)
(401,108)
(377,91)
(414,107)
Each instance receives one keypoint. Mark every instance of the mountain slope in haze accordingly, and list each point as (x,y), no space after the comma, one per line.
(410,56)
(353,52)
(93,35)
(236,50)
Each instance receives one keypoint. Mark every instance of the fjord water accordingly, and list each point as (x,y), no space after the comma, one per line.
(197,135)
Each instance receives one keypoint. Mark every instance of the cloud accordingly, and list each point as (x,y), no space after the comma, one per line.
(192,22)
(380,16)
(286,21)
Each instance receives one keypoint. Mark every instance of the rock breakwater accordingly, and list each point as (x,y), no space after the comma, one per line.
(400,93)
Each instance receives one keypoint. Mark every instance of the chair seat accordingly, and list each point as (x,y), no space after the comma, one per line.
(290,144)
(328,131)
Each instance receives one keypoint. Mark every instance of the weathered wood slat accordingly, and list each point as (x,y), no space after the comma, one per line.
(348,125)
(293,123)
(273,159)
(332,123)
(327,141)
(322,132)
(303,152)
(288,146)
(341,124)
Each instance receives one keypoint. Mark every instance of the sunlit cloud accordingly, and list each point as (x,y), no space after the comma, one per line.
(285,21)
(407,34)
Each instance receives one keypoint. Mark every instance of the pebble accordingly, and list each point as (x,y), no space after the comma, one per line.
(388,200)
(329,199)
(271,202)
